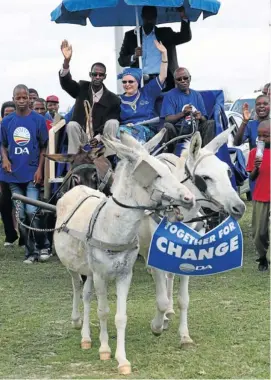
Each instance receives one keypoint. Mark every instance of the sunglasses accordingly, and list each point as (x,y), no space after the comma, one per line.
(184,79)
(128,81)
(101,75)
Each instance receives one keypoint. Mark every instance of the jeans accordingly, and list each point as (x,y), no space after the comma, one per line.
(6,213)
(34,241)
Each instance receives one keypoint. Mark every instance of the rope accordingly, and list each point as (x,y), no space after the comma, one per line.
(88,112)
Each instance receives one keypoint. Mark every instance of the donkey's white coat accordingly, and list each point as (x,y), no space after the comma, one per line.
(114,225)
(216,175)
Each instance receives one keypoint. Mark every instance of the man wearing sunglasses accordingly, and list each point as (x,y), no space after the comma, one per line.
(151,58)
(179,103)
(104,105)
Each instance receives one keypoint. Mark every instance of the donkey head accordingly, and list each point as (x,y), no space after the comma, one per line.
(86,167)
(143,177)
(211,176)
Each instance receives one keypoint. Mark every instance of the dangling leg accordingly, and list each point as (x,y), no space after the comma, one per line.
(170,283)
(170,311)
(161,301)
(85,332)
(123,285)
(183,304)
(100,285)
(76,285)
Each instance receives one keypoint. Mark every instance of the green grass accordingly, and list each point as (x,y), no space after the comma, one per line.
(228,320)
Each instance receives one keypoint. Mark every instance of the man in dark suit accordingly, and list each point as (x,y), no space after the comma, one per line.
(104,105)
(151,58)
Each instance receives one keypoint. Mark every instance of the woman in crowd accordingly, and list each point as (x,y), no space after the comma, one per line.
(138,103)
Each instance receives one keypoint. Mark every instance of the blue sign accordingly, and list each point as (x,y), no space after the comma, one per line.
(178,249)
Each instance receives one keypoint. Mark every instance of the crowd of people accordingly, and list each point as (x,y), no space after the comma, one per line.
(160,89)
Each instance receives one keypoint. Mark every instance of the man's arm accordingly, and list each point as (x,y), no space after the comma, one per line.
(6,165)
(238,138)
(254,174)
(181,37)
(242,131)
(67,83)
(126,56)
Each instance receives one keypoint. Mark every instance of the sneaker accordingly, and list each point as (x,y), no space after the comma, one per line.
(45,254)
(8,244)
(30,260)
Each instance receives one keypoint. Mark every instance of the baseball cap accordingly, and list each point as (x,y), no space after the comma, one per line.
(52,98)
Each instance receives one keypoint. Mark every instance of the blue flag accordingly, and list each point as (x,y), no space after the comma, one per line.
(178,249)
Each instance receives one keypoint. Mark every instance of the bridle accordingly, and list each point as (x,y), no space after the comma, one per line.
(200,183)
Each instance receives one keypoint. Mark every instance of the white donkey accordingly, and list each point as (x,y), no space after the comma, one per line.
(209,179)
(104,230)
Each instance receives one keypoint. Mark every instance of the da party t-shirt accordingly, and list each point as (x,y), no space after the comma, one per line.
(24,137)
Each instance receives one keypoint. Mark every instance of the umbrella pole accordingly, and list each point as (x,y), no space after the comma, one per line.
(138,42)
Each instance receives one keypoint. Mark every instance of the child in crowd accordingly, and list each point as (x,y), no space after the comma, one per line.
(259,168)
(24,138)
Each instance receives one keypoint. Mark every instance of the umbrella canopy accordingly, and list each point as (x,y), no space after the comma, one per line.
(120,12)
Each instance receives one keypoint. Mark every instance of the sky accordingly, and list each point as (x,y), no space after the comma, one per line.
(229,51)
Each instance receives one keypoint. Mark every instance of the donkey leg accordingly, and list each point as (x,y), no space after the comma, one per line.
(85,332)
(183,304)
(76,284)
(170,282)
(123,285)
(103,310)
(162,302)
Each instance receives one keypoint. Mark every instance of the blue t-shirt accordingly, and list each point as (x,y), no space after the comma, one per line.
(175,100)
(144,106)
(24,137)
(251,133)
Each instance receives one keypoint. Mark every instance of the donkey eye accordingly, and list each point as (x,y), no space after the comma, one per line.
(206,178)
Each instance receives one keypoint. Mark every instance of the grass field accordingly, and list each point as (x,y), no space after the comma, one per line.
(228,319)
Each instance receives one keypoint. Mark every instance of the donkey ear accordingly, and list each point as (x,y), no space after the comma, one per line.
(120,150)
(195,145)
(60,157)
(219,140)
(96,152)
(130,141)
(152,143)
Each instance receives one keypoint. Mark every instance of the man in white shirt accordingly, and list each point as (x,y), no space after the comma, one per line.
(89,117)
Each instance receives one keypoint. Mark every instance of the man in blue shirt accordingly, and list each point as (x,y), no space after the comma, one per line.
(179,103)
(24,138)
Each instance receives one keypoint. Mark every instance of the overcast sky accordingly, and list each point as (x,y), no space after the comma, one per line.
(229,51)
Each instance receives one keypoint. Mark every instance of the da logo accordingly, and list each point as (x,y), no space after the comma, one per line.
(187,267)
(21,136)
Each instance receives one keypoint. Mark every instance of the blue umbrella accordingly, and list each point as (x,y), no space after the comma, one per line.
(120,12)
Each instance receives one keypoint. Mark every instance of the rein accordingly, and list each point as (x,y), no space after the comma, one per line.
(157,208)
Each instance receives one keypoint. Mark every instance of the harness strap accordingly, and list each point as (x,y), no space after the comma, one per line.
(88,237)
(104,181)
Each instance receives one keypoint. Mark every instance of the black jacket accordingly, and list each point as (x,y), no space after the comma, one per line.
(107,108)
(169,39)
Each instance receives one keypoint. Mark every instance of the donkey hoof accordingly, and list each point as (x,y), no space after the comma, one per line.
(77,324)
(156,331)
(105,356)
(170,313)
(85,345)
(125,369)
(186,342)
(166,324)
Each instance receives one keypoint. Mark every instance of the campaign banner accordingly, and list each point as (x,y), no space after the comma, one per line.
(179,249)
